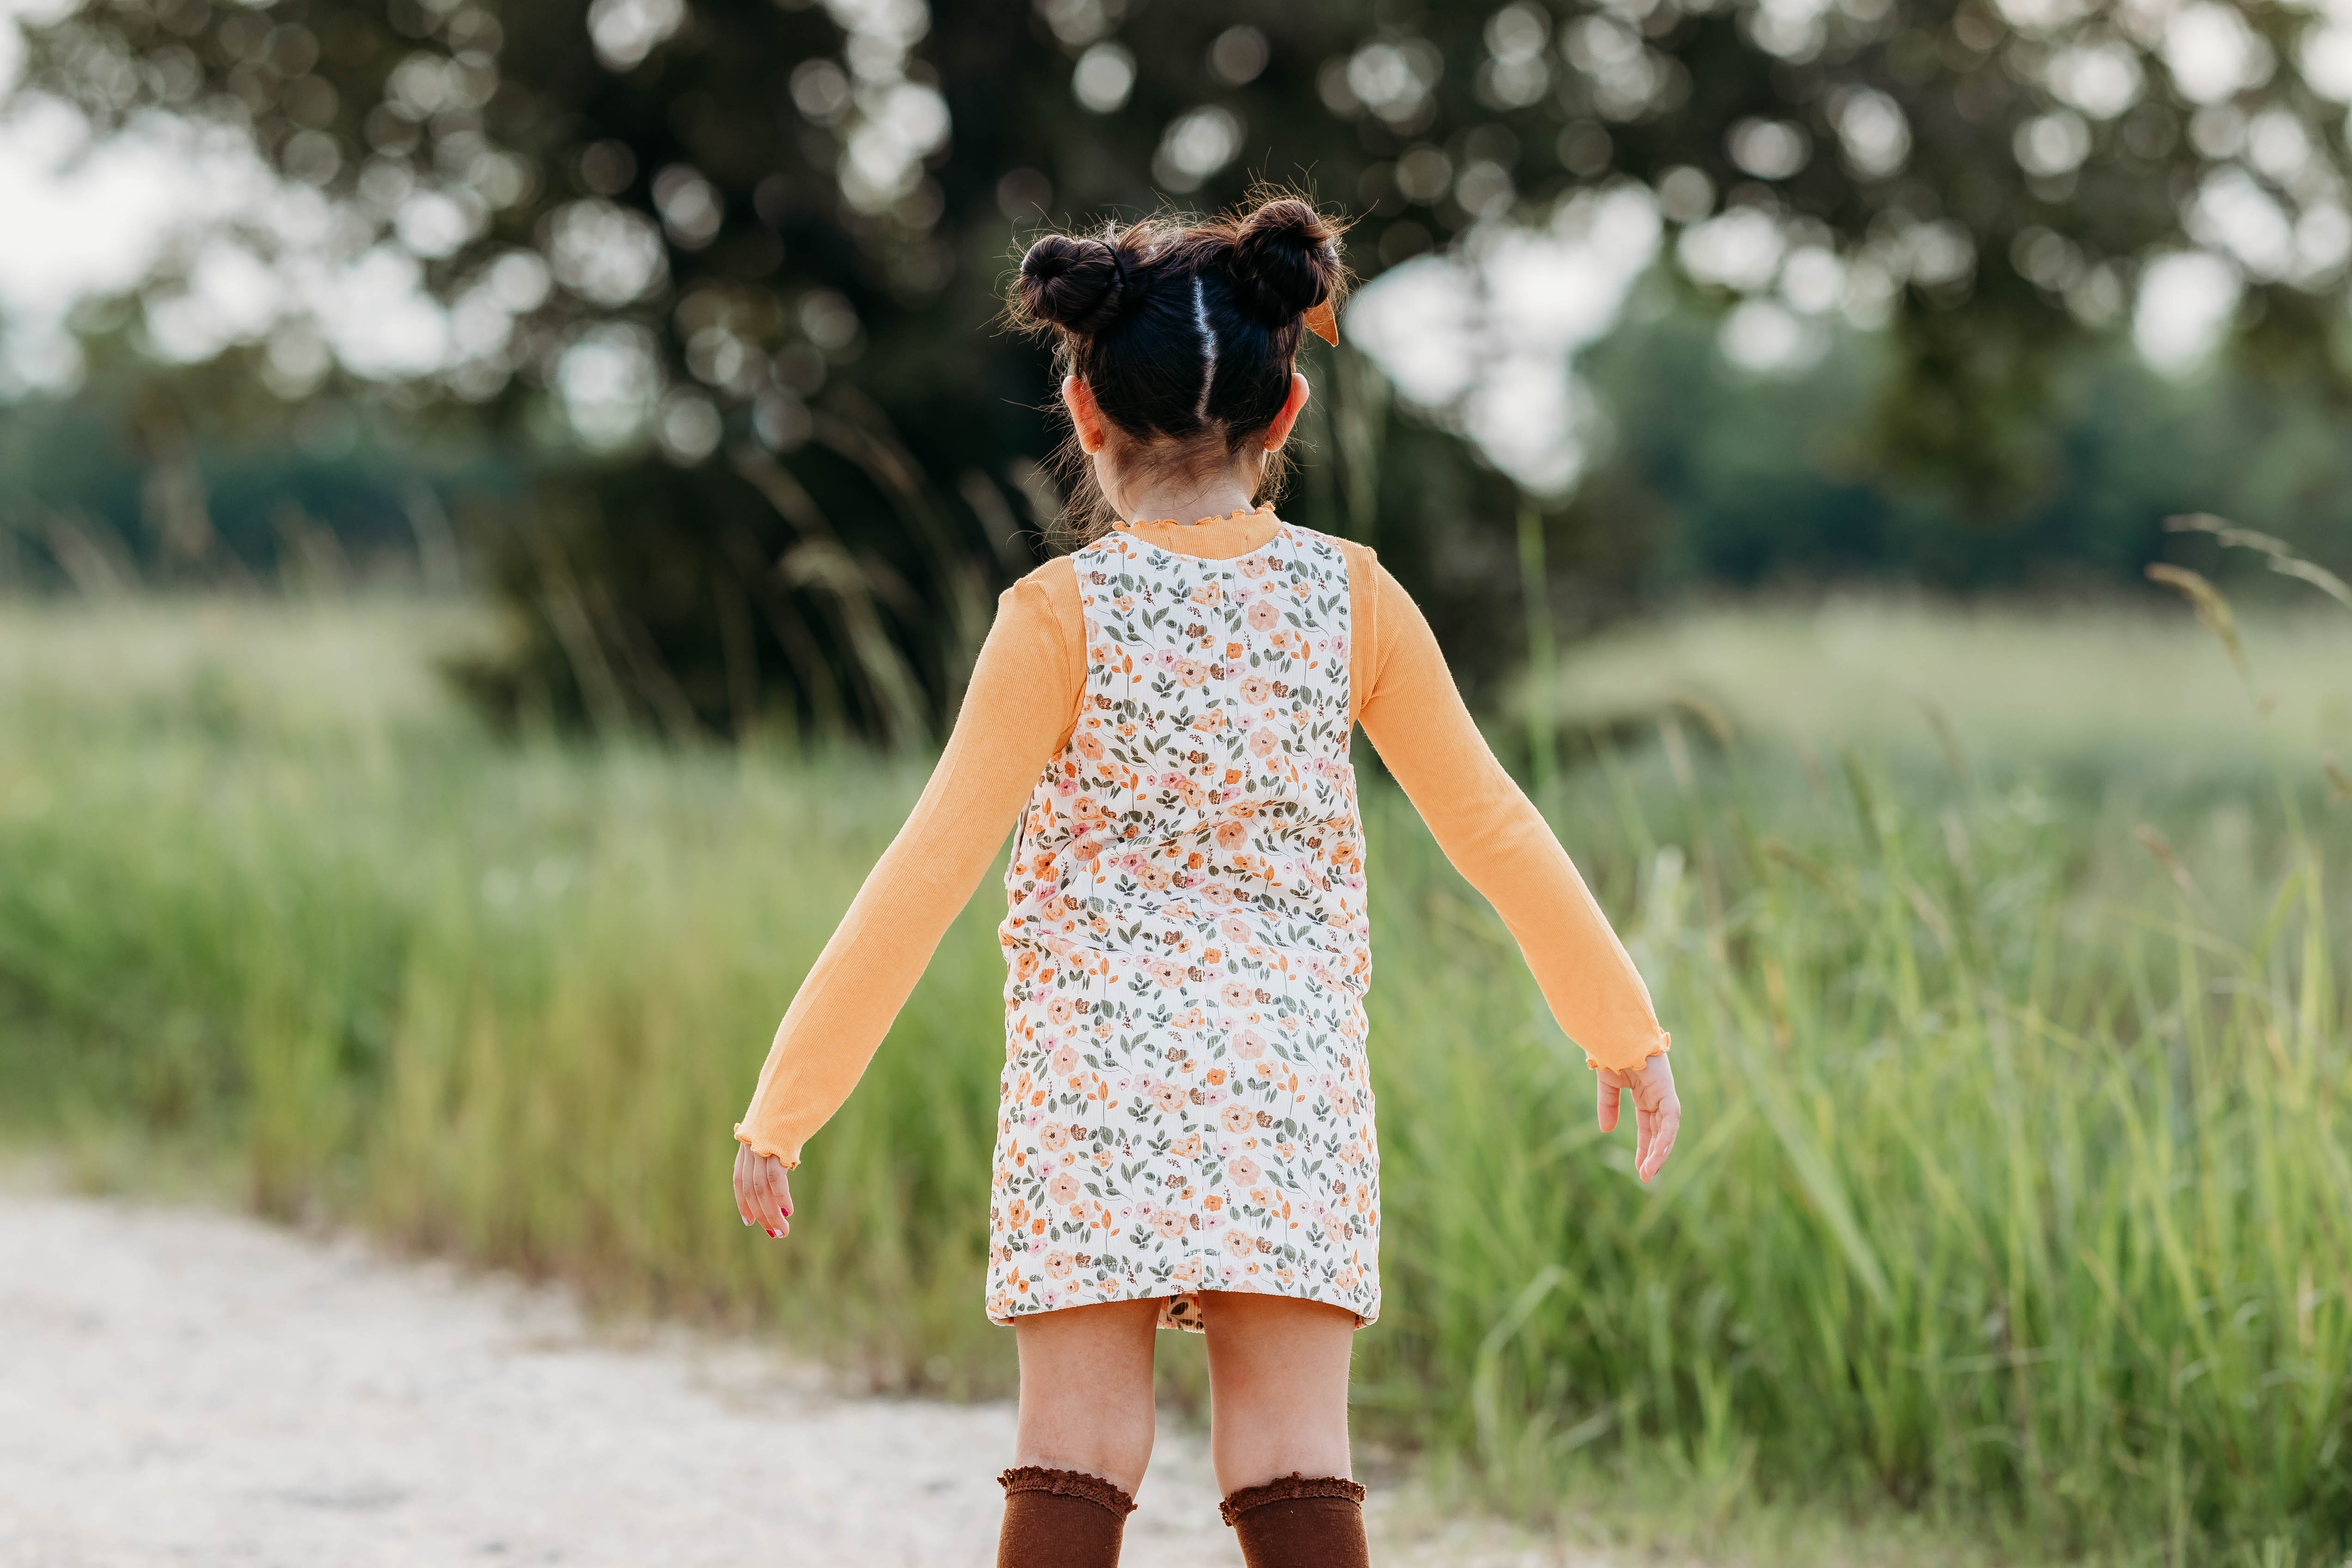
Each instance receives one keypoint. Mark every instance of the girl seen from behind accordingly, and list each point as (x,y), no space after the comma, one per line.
(1162,718)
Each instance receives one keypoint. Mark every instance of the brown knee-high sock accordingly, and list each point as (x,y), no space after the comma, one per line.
(1301,1521)
(1060,1519)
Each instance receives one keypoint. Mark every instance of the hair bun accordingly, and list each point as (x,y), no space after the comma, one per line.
(1285,260)
(1077,283)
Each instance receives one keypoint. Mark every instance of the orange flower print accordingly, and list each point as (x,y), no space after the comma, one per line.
(1235,651)
(1250,1044)
(1264,616)
(1169,1225)
(1088,810)
(1188,1019)
(1063,1189)
(1237,1243)
(1168,1097)
(1234,928)
(1060,1266)
(1187,1147)
(1085,849)
(1165,975)
(1206,594)
(1089,745)
(1231,835)
(1060,1010)
(1263,743)
(1243,1169)
(1233,994)
(1192,674)
(1053,1137)
(1236,1119)
(1064,1060)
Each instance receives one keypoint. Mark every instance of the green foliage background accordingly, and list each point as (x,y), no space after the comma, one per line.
(829,197)
(2015,1186)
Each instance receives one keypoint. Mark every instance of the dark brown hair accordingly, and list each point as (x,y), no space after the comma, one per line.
(1184,330)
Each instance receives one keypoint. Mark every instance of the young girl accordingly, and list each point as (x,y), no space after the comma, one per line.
(1185,1134)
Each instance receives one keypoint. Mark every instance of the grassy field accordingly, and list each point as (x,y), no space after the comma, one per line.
(2015,1189)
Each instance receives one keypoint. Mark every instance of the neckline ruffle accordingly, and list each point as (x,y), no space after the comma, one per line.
(1237,515)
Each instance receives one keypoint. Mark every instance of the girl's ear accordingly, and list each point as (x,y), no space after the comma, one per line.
(1292,406)
(1084,413)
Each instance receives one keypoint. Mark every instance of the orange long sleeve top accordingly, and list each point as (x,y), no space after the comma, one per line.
(1018,711)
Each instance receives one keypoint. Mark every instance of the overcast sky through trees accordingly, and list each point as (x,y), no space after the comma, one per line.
(1482,333)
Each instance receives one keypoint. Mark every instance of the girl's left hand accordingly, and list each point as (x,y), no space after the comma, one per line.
(1658,1114)
(763,1191)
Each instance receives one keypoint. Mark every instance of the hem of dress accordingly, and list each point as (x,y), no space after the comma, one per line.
(1190,1323)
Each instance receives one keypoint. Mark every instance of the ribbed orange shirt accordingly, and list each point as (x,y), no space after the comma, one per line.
(1019,710)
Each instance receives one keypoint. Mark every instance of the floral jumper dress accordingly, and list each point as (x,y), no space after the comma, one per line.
(1185,1103)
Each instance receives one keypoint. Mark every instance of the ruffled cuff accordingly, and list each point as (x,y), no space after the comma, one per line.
(1284,1488)
(1657,1050)
(1067,1483)
(759,1146)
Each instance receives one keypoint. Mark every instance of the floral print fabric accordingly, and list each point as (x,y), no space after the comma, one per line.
(1185,1104)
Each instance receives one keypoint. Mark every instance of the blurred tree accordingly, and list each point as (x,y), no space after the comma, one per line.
(1719,477)
(742,253)
(139,480)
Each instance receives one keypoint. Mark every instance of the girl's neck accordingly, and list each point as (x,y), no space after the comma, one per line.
(1188,502)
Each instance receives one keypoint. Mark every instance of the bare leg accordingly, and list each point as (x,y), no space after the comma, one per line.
(1086,1390)
(1277,1386)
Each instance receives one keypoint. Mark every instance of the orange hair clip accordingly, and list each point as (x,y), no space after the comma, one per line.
(1324,322)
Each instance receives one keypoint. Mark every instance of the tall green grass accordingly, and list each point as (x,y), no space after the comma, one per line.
(2015,1181)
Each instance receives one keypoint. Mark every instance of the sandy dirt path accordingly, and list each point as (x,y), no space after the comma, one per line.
(184,1386)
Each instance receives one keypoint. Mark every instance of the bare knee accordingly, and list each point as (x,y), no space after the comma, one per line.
(1111,1438)
(1086,1390)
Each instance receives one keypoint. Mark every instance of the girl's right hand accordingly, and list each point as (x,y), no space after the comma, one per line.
(763,1191)
(1657,1113)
